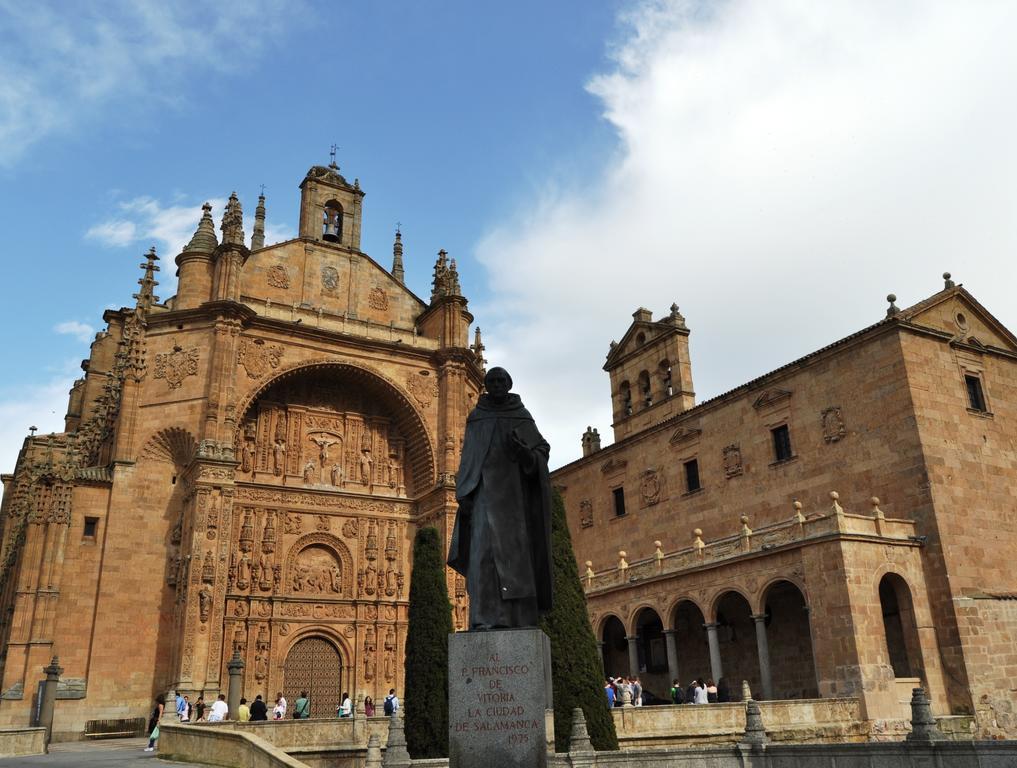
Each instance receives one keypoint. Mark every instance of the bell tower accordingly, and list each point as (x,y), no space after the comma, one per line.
(330,207)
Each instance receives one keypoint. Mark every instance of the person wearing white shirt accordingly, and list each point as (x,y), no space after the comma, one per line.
(220,711)
(701,696)
(279,710)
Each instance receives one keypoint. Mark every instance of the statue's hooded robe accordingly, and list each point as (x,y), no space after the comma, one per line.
(501,541)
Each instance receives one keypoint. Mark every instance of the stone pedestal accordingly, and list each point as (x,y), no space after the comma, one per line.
(499,699)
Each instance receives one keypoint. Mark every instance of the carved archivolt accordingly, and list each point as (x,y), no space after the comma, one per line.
(319,564)
(419,460)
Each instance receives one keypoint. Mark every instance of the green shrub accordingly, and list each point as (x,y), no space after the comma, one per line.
(426,700)
(576,666)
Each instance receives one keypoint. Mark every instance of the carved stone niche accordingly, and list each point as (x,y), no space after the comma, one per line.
(319,564)
(317,572)
(833,424)
(733,460)
(586,513)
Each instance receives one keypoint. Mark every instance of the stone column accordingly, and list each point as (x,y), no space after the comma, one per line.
(49,689)
(633,655)
(235,666)
(603,666)
(763,649)
(716,670)
(671,639)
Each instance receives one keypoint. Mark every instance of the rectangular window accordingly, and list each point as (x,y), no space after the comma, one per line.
(619,502)
(91,526)
(781,443)
(692,476)
(976,398)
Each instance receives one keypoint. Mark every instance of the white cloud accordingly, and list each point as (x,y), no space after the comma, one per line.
(63,65)
(115,233)
(147,221)
(781,167)
(82,332)
(42,406)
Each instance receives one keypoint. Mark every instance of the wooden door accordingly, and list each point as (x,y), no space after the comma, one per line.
(313,665)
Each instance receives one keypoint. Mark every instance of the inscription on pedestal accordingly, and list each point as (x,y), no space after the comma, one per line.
(499,694)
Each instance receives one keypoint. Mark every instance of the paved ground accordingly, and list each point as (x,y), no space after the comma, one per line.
(121,753)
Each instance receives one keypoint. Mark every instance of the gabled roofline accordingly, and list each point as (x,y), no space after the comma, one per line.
(901,321)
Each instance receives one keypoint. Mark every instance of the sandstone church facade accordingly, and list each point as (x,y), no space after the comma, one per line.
(842,527)
(243,469)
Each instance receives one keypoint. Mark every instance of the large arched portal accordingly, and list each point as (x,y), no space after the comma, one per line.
(615,647)
(652,653)
(899,625)
(692,646)
(736,638)
(789,641)
(332,425)
(314,665)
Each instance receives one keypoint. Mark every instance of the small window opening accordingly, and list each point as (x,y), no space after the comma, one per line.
(619,502)
(665,378)
(91,526)
(781,443)
(173,480)
(692,476)
(976,397)
(644,389)
(626,393)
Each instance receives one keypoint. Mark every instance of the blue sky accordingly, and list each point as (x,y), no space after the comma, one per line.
(775,168)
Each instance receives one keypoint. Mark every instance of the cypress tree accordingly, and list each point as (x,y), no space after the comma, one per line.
(426,700)
(576,668)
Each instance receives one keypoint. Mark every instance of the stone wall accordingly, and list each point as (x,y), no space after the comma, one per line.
(22,741)
(808,721)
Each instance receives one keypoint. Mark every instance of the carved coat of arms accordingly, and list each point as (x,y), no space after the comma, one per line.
(278,277)
(423,388)
(257,357)
(650,487)
(329,278)
(177,365)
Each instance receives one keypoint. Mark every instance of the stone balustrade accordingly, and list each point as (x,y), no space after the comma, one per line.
(795,720)
(801,527)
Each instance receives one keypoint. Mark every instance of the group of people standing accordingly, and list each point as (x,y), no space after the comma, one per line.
(187,712)
(700,692)
(623,690)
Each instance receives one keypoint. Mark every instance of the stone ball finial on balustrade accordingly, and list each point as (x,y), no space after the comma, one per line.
(697,541)
(658,553)
(876,511)
(622,563)
(799,516)
(746,533)
(835,507)
(589,573)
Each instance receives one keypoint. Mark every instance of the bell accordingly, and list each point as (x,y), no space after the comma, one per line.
(331,232)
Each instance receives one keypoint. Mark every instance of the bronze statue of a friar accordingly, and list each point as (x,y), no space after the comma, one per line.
(501,541)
